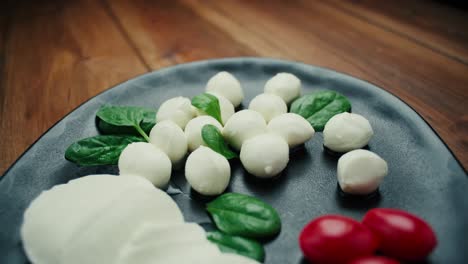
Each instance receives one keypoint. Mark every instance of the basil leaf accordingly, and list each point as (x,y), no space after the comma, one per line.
(99,150)
(237,245)
(149,120)
(209,104)
(123,116)
(243,215)
(320,106)
(215,141)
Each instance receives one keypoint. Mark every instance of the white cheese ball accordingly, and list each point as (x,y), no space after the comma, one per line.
(361,171)
(226,107)
(145,160)
(268,105)
(177,109)
(194,128)
(170,138)
(292,127)
(207,171)
(227,85)
(347,131)
(265,155)
(285,85)
(242,126)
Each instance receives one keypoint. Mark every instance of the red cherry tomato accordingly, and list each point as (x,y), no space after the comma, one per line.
(401,234)
(374,260)
(336,239)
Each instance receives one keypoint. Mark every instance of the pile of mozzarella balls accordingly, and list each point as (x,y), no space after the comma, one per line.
(263,134)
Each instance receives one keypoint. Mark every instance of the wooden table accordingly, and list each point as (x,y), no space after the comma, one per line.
(54,55)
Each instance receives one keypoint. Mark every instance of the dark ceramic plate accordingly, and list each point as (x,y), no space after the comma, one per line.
(425,178)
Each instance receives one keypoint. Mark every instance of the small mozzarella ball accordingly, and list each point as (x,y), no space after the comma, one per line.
(170,138)
(194,128)
(178,109)
(268,105)
(361,171)
(207,171)
(226,107)
(146,160)
(347,131)
(285,85)
(265,155)
(227,85)
(292,127)
(242,126)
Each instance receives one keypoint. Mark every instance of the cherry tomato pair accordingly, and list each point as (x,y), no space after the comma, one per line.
(395,233)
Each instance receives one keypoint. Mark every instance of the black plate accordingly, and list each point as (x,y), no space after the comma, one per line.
(424,177)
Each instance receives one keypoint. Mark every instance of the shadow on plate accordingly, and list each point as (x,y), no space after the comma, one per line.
(362,202)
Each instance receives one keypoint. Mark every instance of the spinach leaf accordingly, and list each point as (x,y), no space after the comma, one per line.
(243,215)
(149,120)
(99,150)
(320,106)
(123,116)
(237,245)
(215,141)
(209,104)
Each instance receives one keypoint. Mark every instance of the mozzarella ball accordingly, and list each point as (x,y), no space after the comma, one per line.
(285,85)
(242,126)
(177,109)
(268,105)
(194,128)
(226,107)
(146,160)
(347,131)
(207,171)
(169,138)
(292,127)
(265,155)
(227,85)
(361,171)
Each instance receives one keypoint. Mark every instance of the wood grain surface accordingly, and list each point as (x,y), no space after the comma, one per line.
(54,55)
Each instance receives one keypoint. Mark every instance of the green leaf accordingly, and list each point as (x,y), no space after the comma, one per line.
(320,106)
(149,120)
(237,245)
(99,150)
(215,141)
(209,104)
(123,116)
(243,215)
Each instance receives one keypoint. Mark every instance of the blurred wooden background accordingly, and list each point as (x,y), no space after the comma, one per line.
(54,55)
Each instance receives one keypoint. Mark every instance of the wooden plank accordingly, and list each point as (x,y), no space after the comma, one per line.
(321,34)
(168,33)
(56,56)
(435,25)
